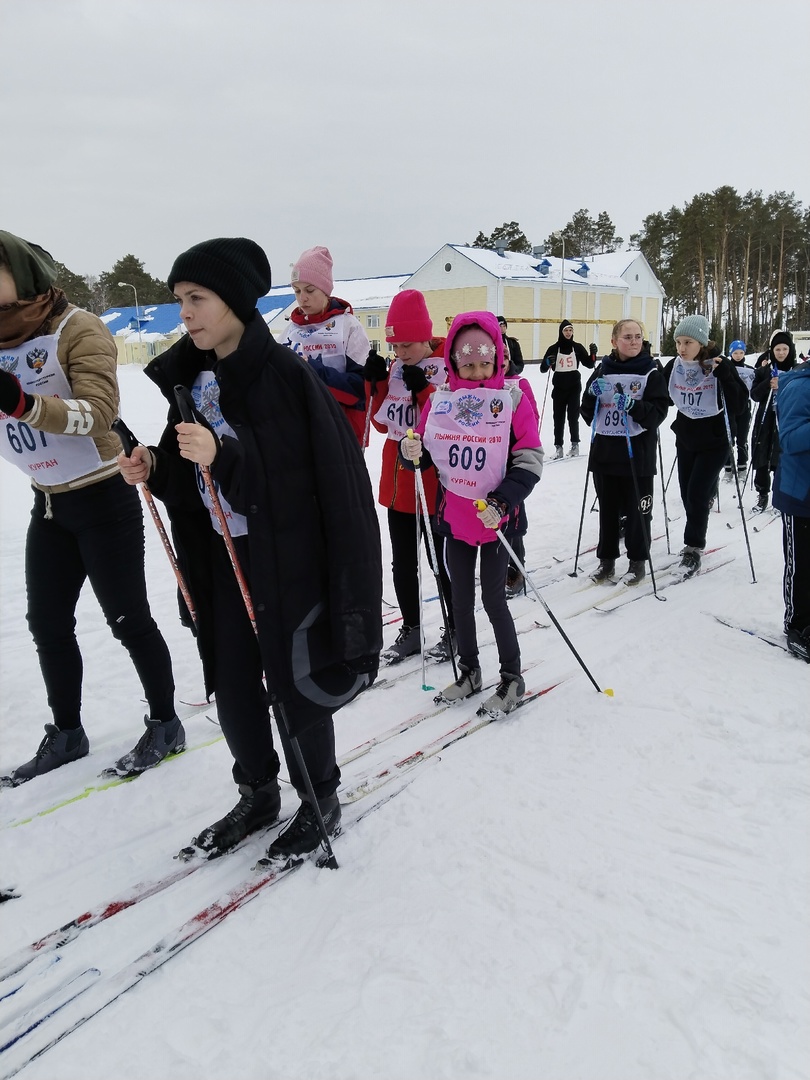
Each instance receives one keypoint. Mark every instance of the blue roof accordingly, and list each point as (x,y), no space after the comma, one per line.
(165,318)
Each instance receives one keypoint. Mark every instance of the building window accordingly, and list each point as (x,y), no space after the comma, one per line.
(373,321)
(374,343)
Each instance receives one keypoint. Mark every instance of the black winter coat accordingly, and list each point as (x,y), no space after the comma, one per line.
(609,453)
(765,436)
(296,471)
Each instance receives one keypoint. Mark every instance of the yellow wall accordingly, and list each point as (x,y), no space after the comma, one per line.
(652,318)
(636,308)
(447,303)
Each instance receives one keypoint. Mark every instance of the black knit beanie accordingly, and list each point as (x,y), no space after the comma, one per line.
(783,337)
(234,268)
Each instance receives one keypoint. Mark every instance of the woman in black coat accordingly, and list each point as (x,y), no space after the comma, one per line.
(298,501)
(780,357)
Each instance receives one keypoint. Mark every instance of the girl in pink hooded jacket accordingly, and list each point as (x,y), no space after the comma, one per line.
(481,434)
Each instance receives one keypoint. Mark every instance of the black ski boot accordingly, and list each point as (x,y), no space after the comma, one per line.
(56,749)
(603,574)
(302,836)
(258,808)
(636,572)
(161,738)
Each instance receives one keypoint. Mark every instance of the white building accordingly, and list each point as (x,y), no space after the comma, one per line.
(535,293)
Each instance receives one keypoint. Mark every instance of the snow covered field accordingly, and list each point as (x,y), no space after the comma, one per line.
(598,888)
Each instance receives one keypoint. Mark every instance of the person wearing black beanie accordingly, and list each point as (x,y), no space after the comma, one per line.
(564,358)
(296,495)
(234,268)
(779,357)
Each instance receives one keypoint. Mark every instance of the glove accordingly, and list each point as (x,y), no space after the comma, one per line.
(414,378)
(623,402)
(13,399)
(599,387)
(492,514)
(411,448)
(376,368)
(592,349)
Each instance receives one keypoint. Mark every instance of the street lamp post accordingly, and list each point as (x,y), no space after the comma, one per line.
(126,285)
(562,275)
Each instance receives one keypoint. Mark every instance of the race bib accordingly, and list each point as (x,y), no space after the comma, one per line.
(324,340)
(566,362)
(205,392)
(608,420)
(693,391)
(49,459)
(397,411)
(467,434)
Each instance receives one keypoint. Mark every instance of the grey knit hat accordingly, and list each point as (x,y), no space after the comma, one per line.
(695,327)
(234,268)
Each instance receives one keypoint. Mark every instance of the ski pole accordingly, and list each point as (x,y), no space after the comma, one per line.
(636,489)
(421,598)
(736,480)
(671,471)
(420,489)
(129,442)
(185,404)
(573,573)
(543,410)
(480,504)
(372,391)
(663,489)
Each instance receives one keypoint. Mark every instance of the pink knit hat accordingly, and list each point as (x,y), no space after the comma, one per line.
(314,267)
(408,318)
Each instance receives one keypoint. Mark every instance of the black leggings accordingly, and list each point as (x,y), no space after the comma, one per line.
(566,406)
(95,534)
(461,559)
(617,500)
(698,472)
(402,529)
(242,705)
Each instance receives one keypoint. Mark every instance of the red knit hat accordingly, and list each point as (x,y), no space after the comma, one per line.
(314,267)
(408,318)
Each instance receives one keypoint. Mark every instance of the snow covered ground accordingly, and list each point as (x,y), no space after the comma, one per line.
(598,888)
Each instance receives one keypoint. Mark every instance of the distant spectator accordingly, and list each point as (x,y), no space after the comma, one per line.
(564,358)
(516,362)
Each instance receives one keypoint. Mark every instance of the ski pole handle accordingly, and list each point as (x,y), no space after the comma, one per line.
(128,440)
(410,436)
(185,403)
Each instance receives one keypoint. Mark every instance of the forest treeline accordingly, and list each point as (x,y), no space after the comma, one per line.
(743,261)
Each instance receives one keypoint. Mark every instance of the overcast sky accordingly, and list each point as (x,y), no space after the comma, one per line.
(384,129)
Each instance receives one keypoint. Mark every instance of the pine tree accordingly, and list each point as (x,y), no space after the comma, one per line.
(509,236)
(75,287)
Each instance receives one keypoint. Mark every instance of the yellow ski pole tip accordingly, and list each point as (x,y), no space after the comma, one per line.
(410,432)
(608,692)
(480,504)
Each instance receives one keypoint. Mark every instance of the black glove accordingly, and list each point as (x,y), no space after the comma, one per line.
(13,399)
(592,349)
(376,368)
(414,378)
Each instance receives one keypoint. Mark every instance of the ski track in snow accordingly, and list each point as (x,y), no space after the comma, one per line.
(593,889)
